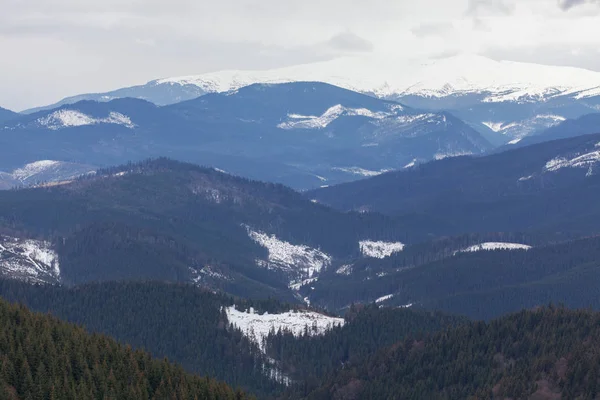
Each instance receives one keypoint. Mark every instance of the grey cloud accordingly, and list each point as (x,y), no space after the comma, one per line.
(349,42)
(432,29)
(585,57)
(486,7)
(566,5)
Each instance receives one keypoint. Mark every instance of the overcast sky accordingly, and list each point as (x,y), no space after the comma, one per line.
(50,49)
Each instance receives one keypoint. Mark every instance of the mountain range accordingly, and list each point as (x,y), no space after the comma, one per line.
(170,221)
(304,135)
(503,100)
(521,189)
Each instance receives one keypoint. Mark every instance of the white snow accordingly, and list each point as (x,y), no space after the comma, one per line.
(297,285)
(360,171)
(387,75)
(384,298)
(525,178)
(27,259)
(411,164)
(379,249)
(495,246)
(586,160)
(257,327)
(33,168)
(66,118)
(344,270)
(302,260)
(296,121)
(521,128)
(441,156)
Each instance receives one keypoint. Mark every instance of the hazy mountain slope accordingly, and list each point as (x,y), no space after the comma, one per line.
(6,115)
(584,125)
(305,135)
(543,187)
(43,172)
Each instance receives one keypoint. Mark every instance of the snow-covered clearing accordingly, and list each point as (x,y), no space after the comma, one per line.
(495,246)
(29,260)
(303,260)
(379,249)
(257,327)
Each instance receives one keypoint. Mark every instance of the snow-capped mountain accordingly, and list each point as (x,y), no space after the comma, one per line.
(479,90)
(43,172)
(305,135)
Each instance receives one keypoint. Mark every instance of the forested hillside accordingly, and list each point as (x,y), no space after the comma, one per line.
(169,221)
(481,284)
(44,358)
(546,188)
(178,322)
(549,353)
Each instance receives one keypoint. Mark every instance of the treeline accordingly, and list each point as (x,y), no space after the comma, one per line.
(44,358)
(180,322)
(547,353)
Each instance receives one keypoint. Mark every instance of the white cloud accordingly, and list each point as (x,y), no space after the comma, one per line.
(63,47)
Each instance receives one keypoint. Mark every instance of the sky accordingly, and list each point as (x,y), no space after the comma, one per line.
(51,49)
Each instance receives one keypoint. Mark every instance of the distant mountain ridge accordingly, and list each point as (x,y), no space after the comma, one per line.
(521,189)
(304,135)
(503,100)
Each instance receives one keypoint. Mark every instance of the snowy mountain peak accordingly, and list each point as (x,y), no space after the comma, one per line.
(499,81)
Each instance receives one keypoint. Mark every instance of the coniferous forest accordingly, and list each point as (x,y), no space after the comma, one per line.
(44,358)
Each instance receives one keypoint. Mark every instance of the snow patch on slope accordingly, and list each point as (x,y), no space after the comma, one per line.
(257,327)
(72,118)
(28,260)
(301,260)
(296,121)
(379,249)
(33,168)
(344,270)
(495,246)
(384,298)
(361,171)
(586,160)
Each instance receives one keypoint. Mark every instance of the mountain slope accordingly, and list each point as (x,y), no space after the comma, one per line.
(547,187)
(6,115)
(519,356)
(481,284)
(195,318)
(43,172)
(169,221)
(584,125)
(43,357)
(301,134)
